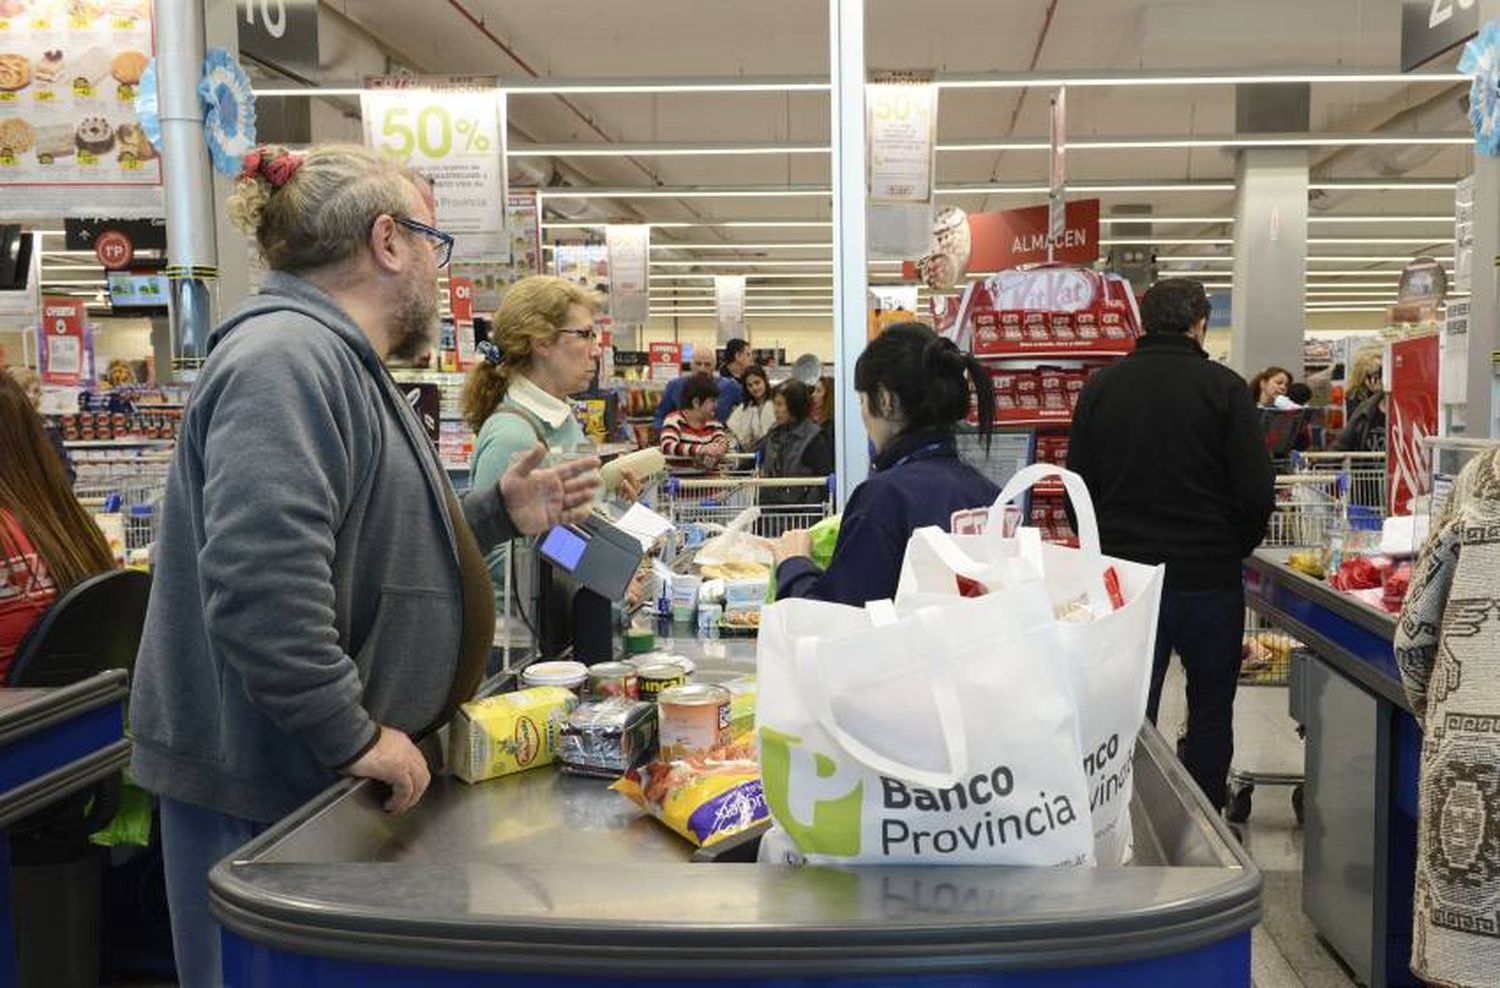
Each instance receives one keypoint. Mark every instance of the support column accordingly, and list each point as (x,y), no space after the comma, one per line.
(846,47)
(1270,260)
(233,247)
(1482,415)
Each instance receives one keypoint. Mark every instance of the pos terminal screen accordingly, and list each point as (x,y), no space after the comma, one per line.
(563,547)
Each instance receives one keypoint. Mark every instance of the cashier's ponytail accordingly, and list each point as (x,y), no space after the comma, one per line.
(923,381)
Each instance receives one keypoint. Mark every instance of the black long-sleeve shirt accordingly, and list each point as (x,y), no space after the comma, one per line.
(1171,449)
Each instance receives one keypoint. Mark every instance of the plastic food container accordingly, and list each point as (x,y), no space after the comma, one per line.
(692,721)
(569,675)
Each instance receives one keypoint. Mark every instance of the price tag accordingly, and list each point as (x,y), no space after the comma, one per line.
(124,23)
(80,22)
(125,93)
(128,163)
(87,158)
(9,159)
(453,135)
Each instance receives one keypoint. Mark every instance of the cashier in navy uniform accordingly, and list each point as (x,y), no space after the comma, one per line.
(913,389)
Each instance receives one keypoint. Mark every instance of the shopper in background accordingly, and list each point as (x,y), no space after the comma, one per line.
(319,597)
(738,358)
(823,408)
(1269,387)
(795,447)
(1365,430)
(1170,446)
(914,389)
(543,349)
(31,384)
(755,415)
(692,433)
(48,543)
(1299,394)
(1448,649)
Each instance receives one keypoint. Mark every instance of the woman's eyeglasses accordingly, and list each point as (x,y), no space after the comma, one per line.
(586,333)
(442,243)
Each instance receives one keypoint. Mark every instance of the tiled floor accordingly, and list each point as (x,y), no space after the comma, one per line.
(1285,952)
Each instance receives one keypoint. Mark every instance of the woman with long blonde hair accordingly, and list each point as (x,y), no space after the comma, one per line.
(48,543)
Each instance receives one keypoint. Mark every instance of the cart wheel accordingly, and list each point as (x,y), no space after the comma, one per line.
(1238,810)
(1297,801)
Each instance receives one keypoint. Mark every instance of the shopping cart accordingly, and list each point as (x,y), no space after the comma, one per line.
(1359,480)
(131,486)
(1308,506)
(709,504)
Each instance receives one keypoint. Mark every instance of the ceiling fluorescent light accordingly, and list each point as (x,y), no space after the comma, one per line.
(1356,185)
(690,192)
(1230,78)
(623,150)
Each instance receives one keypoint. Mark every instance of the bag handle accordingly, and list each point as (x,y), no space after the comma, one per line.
(1078,493)
(944,694)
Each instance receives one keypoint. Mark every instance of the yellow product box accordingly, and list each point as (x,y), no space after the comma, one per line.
(508,733)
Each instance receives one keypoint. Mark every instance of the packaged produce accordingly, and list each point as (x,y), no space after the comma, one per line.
(1308,562)
(703,801)
(508,733)
(569,675)
(692,721)
(611,680)
(1360,573)
(607,738)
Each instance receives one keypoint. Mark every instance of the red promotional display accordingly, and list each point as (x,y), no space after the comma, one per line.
(63,357)
(1412,414)
(461,306)
(666,361)
(1051,310)
(1018,237)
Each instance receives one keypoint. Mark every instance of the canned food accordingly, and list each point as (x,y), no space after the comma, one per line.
(569,675)
(661,676)
(614,679)
(692,721)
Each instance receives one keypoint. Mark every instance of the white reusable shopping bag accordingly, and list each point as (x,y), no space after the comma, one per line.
(1108,659)
(903,739)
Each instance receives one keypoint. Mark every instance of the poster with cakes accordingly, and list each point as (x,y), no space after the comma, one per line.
(68,74)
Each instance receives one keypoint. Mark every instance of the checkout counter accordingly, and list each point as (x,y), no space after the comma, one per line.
(1363,756)
(543,875)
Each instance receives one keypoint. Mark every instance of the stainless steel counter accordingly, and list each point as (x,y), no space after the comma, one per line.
(545,872)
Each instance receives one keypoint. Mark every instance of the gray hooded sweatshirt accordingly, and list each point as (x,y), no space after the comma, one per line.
(306,584)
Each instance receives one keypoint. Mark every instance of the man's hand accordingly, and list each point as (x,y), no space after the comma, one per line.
(792,545)
(395,761)
(537,499)
(630,486)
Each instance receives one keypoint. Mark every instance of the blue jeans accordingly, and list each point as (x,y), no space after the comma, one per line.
(193,840)
(1206,629)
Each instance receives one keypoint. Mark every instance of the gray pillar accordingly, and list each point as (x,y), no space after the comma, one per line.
(233,248)
(1480,417)
(1270,260)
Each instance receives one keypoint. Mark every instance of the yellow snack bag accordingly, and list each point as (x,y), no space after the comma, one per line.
(508,733)
(702,801)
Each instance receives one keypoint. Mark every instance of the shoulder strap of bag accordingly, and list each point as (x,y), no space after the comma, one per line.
(530,419)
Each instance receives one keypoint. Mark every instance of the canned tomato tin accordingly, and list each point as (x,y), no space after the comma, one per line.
(608,680)
(658,677)
(692,721)
(569,675)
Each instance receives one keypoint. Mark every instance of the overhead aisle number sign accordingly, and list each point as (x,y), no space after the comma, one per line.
(453,130)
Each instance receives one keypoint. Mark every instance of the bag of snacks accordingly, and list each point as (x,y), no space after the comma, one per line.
(702,800)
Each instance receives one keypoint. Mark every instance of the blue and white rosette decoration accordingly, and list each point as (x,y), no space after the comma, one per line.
(228,111)
(148,107)
(1481,57)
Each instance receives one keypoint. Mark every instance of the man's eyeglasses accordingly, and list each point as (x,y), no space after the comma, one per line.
(442,243)
(586,333)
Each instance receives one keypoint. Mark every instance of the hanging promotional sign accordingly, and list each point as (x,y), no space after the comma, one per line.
(900,161)
(665,361)
(68,80)
(1002,241)
(729,306)
(629,249)
(1411,416)
(453,131)
(889,305)
(62,348)
(461,307)
(1057,195)
(1431,27)
(1453,388)
(1463,235)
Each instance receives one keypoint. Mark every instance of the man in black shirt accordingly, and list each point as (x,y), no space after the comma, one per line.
(1170,447)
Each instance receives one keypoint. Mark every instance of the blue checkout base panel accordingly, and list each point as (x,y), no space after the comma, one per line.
(1225,964)
(65,742)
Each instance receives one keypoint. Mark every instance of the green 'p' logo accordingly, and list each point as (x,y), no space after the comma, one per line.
(835,825)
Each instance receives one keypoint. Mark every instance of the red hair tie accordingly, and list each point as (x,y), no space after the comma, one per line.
(277,168)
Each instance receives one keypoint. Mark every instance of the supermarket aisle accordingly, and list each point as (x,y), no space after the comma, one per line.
(1286,953)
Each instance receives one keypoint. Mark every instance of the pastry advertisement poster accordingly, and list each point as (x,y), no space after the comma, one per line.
(68,74)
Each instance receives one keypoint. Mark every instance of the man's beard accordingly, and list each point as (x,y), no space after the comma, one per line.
(414,327)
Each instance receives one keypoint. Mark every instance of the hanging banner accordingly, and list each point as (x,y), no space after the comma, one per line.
(1057,195)
(665,361)
(1431,27)
(1463,235)
(452,130)
(1454,359)
(1016,237)
(68,78)
(629,249)
(729,305)
(521,258)
(1412,415)
(582,264)
(63,350)
(900,161)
